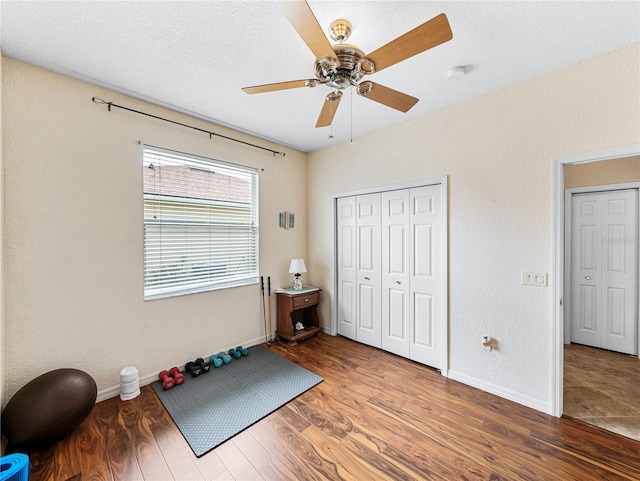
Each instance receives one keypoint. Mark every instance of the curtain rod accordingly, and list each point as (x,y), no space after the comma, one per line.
(98,100)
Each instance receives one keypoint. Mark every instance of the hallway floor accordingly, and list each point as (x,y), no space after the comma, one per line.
(602,388)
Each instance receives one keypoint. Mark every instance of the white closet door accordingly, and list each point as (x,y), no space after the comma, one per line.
(395,272)
(586,268)
(346,220)
(426,310)
(619,270)
(368,327)
(604,270)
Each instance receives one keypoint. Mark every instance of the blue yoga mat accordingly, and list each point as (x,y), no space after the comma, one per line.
(213,407)
(14,467)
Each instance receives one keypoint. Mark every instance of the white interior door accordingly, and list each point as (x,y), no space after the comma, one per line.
(346,247)
(620,270)
(604,270)
(586,268)
(426,276)
(395,272)
(368,221)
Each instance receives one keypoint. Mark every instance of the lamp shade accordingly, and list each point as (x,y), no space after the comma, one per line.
(297,266)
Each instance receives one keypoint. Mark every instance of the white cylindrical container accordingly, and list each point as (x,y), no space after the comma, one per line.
(129,383)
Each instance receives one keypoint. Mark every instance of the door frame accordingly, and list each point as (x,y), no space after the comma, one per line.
(568,193)
(444,299)
(558,259)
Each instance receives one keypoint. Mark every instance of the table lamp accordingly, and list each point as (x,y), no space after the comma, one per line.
(297,267)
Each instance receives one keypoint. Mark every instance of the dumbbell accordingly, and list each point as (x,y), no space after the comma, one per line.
(198,367)
(177,376)
(193,368)
(226,358)
(216,361)
(205,366)
(245,352)
(235,353)
(167,381)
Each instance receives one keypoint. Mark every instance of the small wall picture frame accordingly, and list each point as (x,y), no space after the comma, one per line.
(287,220)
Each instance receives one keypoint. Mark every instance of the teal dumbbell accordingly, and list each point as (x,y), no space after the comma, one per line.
(226,358)
(234,353)
(245,352)
(216,361)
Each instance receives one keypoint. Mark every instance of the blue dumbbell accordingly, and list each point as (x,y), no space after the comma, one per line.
(245,352)
(235,353)
(226,358)
(216,361)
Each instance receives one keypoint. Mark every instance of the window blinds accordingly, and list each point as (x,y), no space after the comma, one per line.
(200,224)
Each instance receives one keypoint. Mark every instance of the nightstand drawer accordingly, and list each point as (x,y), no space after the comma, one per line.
(306,300)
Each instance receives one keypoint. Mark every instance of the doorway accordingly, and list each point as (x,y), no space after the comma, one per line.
(560,331)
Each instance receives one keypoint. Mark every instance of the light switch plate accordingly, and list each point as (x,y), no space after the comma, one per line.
(539,279)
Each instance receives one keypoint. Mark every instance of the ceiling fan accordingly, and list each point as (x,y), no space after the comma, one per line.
(343,65)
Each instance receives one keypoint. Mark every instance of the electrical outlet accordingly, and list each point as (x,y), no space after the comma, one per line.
(486,343)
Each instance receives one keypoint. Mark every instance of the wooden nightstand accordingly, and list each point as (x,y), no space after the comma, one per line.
(294,307)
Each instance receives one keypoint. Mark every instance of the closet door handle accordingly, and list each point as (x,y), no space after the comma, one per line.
(367,279)
(398,282)
(587,278)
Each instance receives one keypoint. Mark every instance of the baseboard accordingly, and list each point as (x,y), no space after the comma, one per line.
(508,394)
(146,379)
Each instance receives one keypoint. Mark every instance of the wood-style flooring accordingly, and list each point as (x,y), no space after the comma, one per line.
(602,388)
(375,416)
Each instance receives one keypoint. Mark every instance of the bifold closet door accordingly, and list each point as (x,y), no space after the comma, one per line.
(395,272)
(390,280)
(346,250)
(604,270)
(368,324)
(426,276)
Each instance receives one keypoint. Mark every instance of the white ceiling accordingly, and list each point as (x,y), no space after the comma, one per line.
(195,57)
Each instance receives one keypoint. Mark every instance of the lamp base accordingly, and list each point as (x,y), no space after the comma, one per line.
(297,283)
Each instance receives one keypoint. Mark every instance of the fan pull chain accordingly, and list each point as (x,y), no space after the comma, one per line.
(351,93)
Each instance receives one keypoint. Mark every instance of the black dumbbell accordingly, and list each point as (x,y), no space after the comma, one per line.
(197,367)
(205,366)
(193,368)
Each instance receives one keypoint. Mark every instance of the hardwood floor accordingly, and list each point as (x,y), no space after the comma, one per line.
(375,416)
(601,388)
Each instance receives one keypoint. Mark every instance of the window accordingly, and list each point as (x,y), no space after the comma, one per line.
(200,224)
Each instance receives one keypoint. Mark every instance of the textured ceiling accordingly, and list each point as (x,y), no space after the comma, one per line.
(195,57)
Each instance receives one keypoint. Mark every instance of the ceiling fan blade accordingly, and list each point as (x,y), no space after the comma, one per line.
(387,96)
(428,35)
(328,111)
(292,84)
(304,21)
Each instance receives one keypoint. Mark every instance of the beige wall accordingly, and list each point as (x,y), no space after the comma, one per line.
(617,171)
(73,235)
(498,152)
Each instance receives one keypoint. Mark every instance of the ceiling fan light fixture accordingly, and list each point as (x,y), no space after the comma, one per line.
(365,88)
(340,30)
(334,96)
